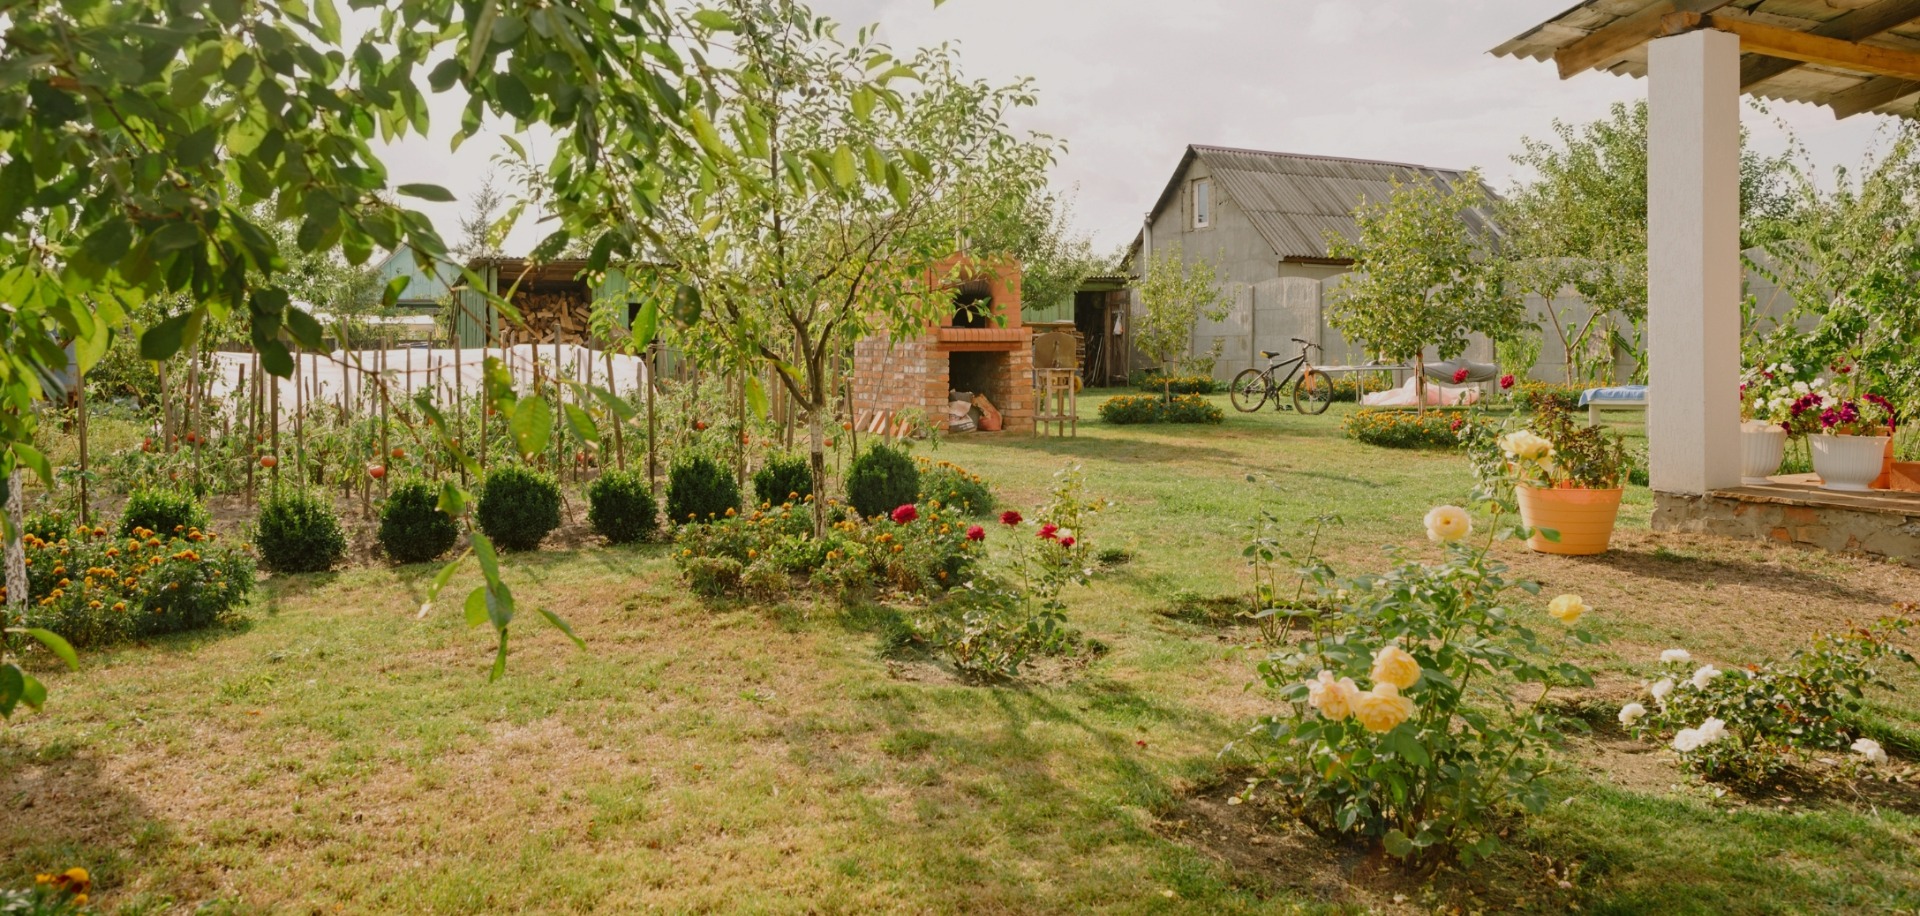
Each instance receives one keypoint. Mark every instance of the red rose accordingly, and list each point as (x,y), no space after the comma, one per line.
(1066,542)
(1460,375)
(976,533)
(905,514)
(1009,518)
(1047,530)
(1506,381)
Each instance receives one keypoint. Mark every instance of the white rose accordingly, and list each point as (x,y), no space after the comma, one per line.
(1676,655)
(1631,713)
(1871,750)
(1704,676)
(1687,740)
(1448,523)
(1660,689)
(1712,730)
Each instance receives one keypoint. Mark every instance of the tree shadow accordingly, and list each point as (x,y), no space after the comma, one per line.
(1659,563)
(64,810)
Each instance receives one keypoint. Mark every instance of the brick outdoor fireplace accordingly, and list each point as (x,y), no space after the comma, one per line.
(968,351)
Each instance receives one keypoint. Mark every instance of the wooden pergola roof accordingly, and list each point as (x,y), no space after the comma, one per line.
(1852,56)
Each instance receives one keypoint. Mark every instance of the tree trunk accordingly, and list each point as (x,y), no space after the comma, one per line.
(817,457)
(1420,380)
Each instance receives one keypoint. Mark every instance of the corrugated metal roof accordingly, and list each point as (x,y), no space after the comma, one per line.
(1846,91)
(1295,200)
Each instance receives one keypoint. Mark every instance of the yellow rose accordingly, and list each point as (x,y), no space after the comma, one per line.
(1382,708)
(1567,608)
(1333,698)
(1448,523)
(1392,665)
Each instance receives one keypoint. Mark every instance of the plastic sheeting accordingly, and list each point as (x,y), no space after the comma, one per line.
(351,379)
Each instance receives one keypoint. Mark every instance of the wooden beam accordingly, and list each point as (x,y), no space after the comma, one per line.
(1865,22)
(1808,48)
(1870,95)
(1613,42)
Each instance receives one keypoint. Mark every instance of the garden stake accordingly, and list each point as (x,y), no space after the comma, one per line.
(80,424)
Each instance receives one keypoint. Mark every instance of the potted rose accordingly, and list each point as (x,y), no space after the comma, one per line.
(1766,414)
(1851,436)
(1567,479)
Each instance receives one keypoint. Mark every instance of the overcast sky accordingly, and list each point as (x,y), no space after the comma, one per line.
(1129,83)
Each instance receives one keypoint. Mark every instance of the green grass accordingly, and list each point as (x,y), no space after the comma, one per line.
(335,752)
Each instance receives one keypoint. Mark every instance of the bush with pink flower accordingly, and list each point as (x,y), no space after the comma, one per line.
(1415,714)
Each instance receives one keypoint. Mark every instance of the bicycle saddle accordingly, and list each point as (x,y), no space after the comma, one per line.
(1268,354)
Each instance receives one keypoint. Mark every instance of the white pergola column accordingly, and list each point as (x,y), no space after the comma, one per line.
(1693,261)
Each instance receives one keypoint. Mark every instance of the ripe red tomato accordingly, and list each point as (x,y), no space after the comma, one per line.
(377,471)
(267,461)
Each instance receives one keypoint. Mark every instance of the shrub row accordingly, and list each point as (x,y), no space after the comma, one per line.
(1140,408)
(1179,384)
(1406,428)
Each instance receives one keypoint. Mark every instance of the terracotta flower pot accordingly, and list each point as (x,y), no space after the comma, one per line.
(1848,463)
(1583,518)
(1762,445)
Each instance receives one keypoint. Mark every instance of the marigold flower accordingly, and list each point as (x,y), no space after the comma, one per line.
(1333,698)
(1010,518)
(1448,523)
(1567,608)
(1382,708)
(1392,665)
(898,547)
(905,514)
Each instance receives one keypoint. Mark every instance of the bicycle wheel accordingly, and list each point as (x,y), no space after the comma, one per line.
(1249,390)
(1313,392)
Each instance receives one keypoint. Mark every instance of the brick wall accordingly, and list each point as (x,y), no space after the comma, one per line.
(893,376)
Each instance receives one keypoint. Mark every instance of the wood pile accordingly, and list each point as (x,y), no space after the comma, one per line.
(549,317)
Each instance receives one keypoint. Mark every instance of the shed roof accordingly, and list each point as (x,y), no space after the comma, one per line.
(1294,200)
(1849,55)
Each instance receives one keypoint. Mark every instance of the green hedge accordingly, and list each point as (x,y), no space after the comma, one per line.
(1143,408)
(1406,428)
(518,507)
(1179,384)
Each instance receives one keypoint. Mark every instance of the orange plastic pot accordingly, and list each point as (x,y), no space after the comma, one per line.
(1583,518)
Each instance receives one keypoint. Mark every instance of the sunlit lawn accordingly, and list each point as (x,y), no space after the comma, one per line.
(335,753)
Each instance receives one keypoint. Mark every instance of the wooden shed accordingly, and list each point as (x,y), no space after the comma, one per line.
(554,300)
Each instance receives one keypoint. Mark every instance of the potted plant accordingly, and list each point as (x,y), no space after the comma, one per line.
(1567,478)
(1850,436)
(1766,414)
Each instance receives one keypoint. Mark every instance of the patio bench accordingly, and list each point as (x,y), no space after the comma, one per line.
(1617,397)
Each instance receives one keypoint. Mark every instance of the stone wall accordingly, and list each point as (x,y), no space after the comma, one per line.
(1891,534)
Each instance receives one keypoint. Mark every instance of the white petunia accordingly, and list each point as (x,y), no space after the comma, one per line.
(1871,750)
(1631,713)
(1704,676)
(1676,655)
(1660,689)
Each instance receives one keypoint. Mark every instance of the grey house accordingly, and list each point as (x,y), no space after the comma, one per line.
(1262,220)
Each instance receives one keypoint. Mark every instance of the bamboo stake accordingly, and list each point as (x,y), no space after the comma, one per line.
(80,422)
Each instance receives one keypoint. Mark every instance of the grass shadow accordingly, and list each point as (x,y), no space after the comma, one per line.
(1659,563)
(64,810)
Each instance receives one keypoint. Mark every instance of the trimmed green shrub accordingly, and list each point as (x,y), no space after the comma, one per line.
(298,532)
(954,486)
(1179,384)
(518,507)
(1146,408)
(163,512)
(700,490)
(1406,428)
(881,480)
(784,478)
(412,527)
(621,508)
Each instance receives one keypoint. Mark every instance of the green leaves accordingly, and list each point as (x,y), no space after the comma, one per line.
(432,192)
(531,425)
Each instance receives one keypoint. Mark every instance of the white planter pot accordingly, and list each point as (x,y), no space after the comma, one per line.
(1847,462)
(1762,445)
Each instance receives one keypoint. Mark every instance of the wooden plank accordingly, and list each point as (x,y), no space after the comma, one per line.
(1615,41)
(1856,25)
(1872,94)
(1808,48)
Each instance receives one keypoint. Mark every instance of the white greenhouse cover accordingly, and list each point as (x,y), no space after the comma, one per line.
(351,378)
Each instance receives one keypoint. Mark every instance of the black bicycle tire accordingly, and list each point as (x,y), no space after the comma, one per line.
(1319,395)
(1233,391)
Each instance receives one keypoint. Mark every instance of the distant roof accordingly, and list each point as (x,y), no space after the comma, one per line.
(512,269)
(1849,55)
(1294,200)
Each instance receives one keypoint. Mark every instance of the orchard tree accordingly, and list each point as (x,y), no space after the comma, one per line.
(1174,295)
(830,175)
(137,136)
(1423,276)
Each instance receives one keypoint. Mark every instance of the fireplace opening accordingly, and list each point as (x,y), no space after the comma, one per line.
(973,305)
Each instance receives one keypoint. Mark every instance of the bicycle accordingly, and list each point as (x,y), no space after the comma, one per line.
(1312,390)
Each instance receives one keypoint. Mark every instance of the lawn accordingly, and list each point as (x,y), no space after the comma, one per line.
(335,752)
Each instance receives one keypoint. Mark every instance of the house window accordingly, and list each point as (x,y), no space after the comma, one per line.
(1202,203)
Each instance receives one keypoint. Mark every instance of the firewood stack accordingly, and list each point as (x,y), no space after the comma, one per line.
(549,317)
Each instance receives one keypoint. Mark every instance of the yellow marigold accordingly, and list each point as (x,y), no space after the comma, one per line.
(153,542)
(729,512)
(751,553)
(945,529)
(897,548)
(1392,665)
(1382,708)
(120,605)
(59,570)
(99,532)
(64,582)
(94,604)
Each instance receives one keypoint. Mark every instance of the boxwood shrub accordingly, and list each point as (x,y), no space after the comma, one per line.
(620,507)
(784,478)
(881,480)
(699,489)
(412,527)
(518,507)
(298,532)
(165,512)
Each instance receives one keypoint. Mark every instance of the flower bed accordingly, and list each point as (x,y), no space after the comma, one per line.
(1180,384)
(1406,428)
(94,588)
(1142,408)
(771,550)
(1534,396)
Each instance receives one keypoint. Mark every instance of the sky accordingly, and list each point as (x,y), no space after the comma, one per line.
(1129,83)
